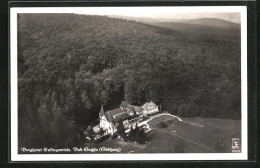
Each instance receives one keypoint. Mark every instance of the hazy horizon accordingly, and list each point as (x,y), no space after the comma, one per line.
(162,13)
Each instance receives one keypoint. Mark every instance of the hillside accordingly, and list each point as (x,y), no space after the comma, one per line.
(71,64)
(213,22)
(203,32)
(147,19)
(210,28)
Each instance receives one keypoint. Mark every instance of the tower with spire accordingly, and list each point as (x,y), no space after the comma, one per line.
(101,113)
(102,118)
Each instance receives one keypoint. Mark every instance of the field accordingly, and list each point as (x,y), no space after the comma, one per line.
(191,135)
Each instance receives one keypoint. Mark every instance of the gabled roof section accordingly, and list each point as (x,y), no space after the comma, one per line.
(121,113)
(137,109)
(115,111)
(110,115)
(146,105)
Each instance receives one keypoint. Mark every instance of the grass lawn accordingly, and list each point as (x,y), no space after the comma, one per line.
(198,135)
(192,135)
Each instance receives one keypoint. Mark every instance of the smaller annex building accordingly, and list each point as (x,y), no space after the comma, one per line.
(150,108)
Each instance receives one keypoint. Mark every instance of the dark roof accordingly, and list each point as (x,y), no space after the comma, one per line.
(115,111)
(109,117)
(110,114)
(137,109)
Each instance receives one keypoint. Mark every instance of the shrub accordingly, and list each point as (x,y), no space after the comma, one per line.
(137,134)
(162,125)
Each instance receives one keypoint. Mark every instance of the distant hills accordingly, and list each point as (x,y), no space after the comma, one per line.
(213,28)
(215,22)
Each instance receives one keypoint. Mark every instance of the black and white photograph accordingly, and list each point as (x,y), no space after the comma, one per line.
(128,83)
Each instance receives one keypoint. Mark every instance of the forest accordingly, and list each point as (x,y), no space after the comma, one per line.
(69,64)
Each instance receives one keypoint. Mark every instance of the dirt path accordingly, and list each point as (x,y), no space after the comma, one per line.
(156,116)
(147,126)
(153,117)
